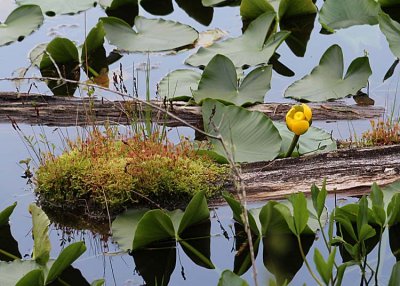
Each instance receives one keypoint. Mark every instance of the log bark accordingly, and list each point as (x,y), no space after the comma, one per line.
(70,111)
(347,171)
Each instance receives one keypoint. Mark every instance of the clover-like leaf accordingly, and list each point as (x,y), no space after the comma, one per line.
(326,81)
(20,23)
(252,48)
(219,81)
(151,35)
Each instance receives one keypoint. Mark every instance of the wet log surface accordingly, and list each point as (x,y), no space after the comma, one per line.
(67,111)
(347,171)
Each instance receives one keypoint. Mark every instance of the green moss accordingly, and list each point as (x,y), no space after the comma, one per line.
(105,173)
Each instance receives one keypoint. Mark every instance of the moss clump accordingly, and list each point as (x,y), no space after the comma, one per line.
(107,171)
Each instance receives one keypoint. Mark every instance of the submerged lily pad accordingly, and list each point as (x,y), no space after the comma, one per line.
(326,81)
(252,48)
(391,30)
(219,81)
(151,35)
(338,14)
(53,7)
(20,23)
(249,136)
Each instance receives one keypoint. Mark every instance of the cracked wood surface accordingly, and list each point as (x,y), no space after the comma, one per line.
(347,171)
(70,111)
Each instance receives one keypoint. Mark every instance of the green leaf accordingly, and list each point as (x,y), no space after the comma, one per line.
(366,232)
(20,23)
(237,210)
(40,229)
(391,30)
(65,259)
(322,266)
(314,141)
(252,48)
(393,210)
(340,272)
(65,55)
(300,212)
(388,3)
(179,84)
(196,212)
(251,9)
(326,81)
(248,136)
(124,227)
(378,206)
(12,272)
(228,278)
(338,14)
(98,282)
(395,276)
(6,213)
(272,221)
(53,7)
(219,81)
(362,215)
(293,8)
(215,3)
(287,215)
(32,278)
(318,198)
(154,226)
(151,35)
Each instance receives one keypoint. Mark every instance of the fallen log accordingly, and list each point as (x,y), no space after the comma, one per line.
(71,111)
(347,171)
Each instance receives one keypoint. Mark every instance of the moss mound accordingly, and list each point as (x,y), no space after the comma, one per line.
(108,173)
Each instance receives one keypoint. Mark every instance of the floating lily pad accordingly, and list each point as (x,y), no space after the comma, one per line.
(53,7)
(249,136)
(338,14)
(151,35)
(20,23)
(315,140)
(219,81)
(326,81)
(391,30)
(252,48)
(65,55)
(179,84)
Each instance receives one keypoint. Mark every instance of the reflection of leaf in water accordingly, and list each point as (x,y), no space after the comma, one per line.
(125,10)
(197,11)
(394,241)
(158,7)
(8,244)
(242,261)
(156,265)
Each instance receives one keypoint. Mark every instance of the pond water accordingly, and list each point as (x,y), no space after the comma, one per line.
(100,260)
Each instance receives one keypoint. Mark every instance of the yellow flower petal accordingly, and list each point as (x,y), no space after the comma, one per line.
(300,127)
(307,112)
(299,116)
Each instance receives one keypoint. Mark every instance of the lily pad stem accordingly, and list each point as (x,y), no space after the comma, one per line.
(292,145)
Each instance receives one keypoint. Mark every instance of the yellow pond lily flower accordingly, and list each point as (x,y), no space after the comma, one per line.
(299,119)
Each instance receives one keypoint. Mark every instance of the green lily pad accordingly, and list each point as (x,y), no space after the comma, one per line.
(326,81)
(391,30)
(151,35)
(12,272)
(338,14)
(53,7)
(252,48)
(20,23)
(249,136)
(40,229)
(179,84)
(218,3)
(65,55)
(219,81)
(315,140)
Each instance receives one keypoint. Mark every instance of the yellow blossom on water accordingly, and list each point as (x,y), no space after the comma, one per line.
(299,119)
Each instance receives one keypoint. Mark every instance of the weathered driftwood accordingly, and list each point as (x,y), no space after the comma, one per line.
(347,171)
(67,111)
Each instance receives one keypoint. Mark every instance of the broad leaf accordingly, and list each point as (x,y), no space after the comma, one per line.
(251,9)
(65,259)
(388,3)
(179,84)
(154,226)
(300,212)
(124,227)
(395,276)
(64,54)
(40,229)
(248,136)
(219,81)
(228,278)
(272,221)
(326,81)
(32,278)
(337,14)
(391,30)
(252,48)
(20,23)
(196,212)
(12,272)
(216,3)
(151,35)
(6,213)
(315,140)
(53,7)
